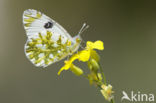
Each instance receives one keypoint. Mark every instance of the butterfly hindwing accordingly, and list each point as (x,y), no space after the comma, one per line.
(44,51)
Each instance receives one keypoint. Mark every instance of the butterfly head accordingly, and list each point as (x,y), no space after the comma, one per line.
(77,41)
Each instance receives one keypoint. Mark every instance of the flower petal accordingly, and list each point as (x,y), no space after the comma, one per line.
(95,45)
(59,72)
(65,67)
(84,55)
(99,45)
(73,58)
(68,63)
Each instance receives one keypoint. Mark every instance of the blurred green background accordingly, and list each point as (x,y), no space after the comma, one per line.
(128,29)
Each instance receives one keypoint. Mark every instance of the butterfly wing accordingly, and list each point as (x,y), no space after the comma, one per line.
(48,42)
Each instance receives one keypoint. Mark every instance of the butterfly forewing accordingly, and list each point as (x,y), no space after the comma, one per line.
(47,42)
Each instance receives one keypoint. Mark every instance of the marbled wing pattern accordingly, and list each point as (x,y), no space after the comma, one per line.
(48,42)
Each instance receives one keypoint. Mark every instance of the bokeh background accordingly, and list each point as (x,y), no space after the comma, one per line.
(128,29)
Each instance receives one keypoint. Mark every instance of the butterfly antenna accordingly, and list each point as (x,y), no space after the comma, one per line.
(83,28)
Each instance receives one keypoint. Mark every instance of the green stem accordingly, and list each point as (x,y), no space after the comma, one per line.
(103,76)
(112,101)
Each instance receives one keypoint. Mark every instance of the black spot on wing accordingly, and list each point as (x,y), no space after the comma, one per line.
(48,25)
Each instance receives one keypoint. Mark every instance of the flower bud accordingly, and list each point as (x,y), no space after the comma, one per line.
(94,65)
(99,76)
(95,55)
(76,70)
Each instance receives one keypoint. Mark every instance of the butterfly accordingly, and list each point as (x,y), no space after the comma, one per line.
(48,42)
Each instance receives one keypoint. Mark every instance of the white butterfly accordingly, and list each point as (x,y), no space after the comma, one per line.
(48,42)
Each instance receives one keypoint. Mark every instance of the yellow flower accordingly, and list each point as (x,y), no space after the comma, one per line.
(96,45)
(107,92)
(68,63)
(84,55)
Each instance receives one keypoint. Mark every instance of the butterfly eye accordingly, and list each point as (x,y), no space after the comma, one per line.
(48,25)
